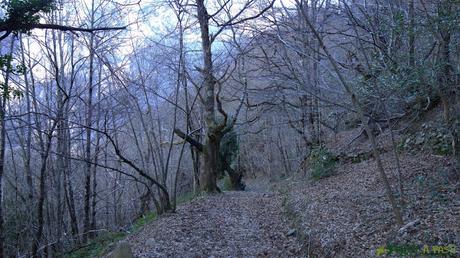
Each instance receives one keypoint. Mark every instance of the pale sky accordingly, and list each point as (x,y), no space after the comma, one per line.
(146,19)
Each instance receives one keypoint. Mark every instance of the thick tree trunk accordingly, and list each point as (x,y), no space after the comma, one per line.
(236,177)
(211,148)
(210,165)
(210,151)
(236,181)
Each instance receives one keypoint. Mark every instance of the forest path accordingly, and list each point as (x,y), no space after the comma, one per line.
(230,224)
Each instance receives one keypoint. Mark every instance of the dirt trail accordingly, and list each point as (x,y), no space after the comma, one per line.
(231,224)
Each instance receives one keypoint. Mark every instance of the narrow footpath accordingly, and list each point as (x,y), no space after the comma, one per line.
(231,224)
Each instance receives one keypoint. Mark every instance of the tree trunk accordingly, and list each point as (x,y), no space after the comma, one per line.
(42,195)
(29,129)
(208,178)
(411,34)
(94,196)
(68,191)
(211,149)
(236,177)
(236,181)
(96,156)
(62,122)
(359,108)
(3,133)
(447,92)
(196,168)
(89,117)
(2,168)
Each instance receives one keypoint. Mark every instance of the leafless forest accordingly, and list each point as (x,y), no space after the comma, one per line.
(114,114)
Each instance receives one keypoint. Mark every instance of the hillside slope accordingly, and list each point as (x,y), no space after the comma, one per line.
(348,214)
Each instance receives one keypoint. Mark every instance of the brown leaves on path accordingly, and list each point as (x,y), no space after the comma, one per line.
(231,224)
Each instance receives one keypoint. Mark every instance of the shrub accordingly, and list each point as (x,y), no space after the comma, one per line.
(227,184)
(431,138)
(322,163)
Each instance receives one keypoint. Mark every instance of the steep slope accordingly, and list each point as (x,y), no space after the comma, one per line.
(348,214)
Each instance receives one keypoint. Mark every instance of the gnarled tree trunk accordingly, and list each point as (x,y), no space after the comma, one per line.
(211,145)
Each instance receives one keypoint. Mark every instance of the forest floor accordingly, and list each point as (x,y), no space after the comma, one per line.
(230,224)
(344,215)
(348,213)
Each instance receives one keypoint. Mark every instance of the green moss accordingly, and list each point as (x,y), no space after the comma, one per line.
(142,221)
(322,163)
(186,197)
(97,246)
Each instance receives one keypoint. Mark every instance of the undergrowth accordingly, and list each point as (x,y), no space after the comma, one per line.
(293,216)
(104,242)
(322,163)
(227,184)
(430,138)
(97,246)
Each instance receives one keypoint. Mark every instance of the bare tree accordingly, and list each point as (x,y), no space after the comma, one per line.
(215,130)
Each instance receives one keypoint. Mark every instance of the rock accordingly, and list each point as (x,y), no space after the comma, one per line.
(409,226)
(291,232)
(419,140)
(150,242)
(122,250)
